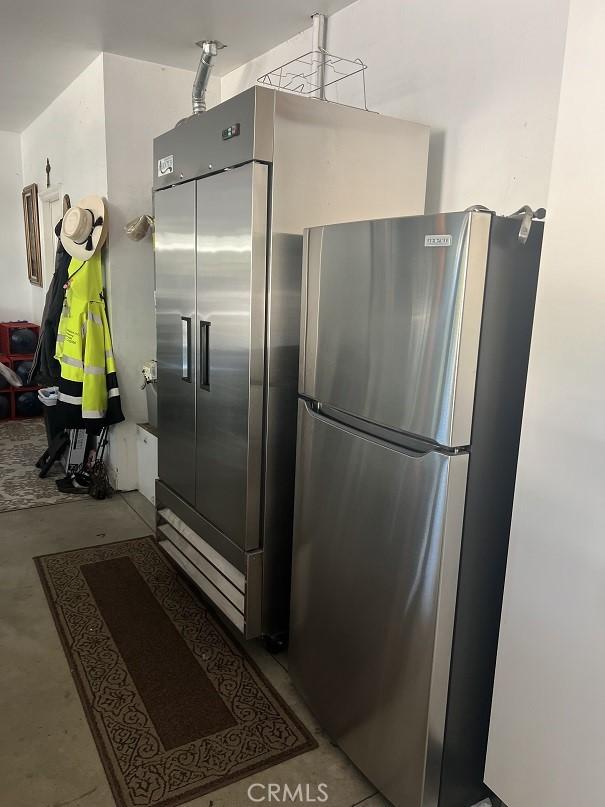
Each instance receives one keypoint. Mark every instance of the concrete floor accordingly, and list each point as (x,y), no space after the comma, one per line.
(47,754)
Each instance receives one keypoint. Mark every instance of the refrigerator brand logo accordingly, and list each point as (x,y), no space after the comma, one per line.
(437,240)
(166,165)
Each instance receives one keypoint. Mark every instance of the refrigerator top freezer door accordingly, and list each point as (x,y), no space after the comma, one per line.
(393,317)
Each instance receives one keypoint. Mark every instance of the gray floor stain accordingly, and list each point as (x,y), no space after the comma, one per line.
(74,801)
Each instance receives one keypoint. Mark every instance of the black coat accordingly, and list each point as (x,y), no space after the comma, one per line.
(45,369)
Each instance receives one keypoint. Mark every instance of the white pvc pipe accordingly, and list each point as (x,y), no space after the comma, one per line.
(319,42)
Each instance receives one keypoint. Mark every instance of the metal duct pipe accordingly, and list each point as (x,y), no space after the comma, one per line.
(320,39)
(209,47)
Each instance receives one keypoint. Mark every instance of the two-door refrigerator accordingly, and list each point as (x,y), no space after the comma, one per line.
(234,188)
(415,340)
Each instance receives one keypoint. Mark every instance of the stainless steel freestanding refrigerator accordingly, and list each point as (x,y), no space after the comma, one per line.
(234,188)
(414,349)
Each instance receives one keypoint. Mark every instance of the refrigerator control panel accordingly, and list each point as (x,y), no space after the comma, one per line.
(231,131)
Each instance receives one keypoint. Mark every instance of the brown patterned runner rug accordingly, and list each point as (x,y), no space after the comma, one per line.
(176,707)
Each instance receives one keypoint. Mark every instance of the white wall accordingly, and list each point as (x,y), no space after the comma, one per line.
(484,75)
(142,100)
(15,294)
(71,133)
(547,738)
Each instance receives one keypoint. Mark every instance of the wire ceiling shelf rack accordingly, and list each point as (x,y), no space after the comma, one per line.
(303,74)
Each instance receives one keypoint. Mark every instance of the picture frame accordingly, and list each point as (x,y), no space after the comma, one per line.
(32,234)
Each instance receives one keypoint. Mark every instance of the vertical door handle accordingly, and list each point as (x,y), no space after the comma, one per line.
(204,355)
(186,348)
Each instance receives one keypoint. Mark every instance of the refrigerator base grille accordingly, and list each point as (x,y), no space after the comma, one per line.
(227,608)
(234,593)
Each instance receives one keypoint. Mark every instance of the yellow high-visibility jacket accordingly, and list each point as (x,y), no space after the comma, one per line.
(88,388)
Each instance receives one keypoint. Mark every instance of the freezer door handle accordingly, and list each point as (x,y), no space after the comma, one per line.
(186,348)
(204,355)
(404,444)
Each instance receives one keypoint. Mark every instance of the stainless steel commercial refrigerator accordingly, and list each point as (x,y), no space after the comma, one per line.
(234,188)
(414,351)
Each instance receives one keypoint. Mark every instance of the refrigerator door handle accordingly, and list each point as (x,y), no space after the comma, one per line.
(408,445)
(204,355)
(186,348)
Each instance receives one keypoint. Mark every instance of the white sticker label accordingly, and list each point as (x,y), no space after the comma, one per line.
(437,240)
(166,165)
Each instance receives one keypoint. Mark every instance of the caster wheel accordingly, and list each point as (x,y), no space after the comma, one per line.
(276,644)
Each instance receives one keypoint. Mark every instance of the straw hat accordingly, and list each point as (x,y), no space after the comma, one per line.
(84,227)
